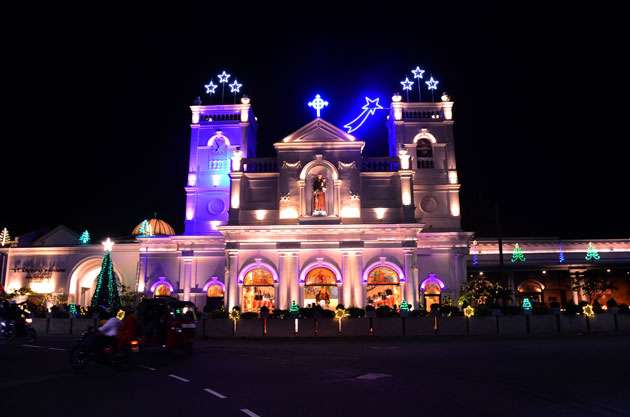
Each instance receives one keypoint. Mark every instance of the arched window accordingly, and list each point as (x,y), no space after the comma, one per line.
(162,290)
(424,153)
(320,287)
(431,289)
(258,290)
(383,287)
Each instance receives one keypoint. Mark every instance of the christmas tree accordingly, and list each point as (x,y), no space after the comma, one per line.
(517,254)
(84,239)
(106,293)
(591,253)
(404,306)
(294,309)
(527,305)
(145,228)
(4,237)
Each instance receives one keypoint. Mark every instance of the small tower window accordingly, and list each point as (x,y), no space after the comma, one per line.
(424,153)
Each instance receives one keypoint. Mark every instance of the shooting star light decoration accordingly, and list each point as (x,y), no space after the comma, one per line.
(369,109)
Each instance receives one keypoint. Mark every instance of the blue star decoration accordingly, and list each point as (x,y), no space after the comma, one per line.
(210,87)
(223,77)
(406,84)
(417,73)
(369,109)
(432,84)
(235,87)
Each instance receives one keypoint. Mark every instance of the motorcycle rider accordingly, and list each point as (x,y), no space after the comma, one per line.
(107,333)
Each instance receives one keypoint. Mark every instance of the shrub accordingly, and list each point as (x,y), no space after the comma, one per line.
(624,309)
(541,308)
(512,310)
(356,312)
(249,315)
(264,311)
(219,314)
(611,303)
(554,304)
(597,307)
(340,307)
(279,314)
(306,312)
(383,311)
(571,308)
(327,314)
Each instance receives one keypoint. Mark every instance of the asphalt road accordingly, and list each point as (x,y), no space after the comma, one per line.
(577,376)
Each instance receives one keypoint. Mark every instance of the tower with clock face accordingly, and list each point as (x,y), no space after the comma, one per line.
(218,133)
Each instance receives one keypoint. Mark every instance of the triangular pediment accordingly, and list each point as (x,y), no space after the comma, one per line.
(59,236)
(318,130)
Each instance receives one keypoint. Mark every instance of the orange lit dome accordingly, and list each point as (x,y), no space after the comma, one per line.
(156,227)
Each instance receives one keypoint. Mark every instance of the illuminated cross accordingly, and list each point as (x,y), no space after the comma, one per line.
(318,103)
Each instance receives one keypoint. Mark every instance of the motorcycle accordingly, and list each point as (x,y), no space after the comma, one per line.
(11,329)
(89,349)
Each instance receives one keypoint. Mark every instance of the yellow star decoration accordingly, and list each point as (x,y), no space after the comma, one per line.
(469,312)
(340,313)
(588,311)
(235,315)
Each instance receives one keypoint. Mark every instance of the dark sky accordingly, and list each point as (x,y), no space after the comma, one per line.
(96,120)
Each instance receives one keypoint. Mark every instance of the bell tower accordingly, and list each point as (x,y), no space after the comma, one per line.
(421,134)
(221,135)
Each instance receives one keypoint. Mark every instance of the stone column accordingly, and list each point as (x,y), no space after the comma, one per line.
(284,267)
(235,196)
(232,280)
(301,184)
(356,270)
(293,272)
(411,292)
(142,272)
(185,275)
(346,297)
(337,198)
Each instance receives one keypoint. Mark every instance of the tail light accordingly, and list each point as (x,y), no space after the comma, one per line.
(135,346)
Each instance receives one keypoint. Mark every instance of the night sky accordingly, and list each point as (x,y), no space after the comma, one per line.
(96,119)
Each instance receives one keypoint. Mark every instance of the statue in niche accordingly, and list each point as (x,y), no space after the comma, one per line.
(319,196)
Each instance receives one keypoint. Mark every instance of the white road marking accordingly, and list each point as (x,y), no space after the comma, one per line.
(373,376)
(179,378)
(51,348)
(35,346)
(147,367)
(249,412)
(216,394)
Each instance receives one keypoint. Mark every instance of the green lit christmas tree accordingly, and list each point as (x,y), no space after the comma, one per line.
(106,293)
(294,309)
(527,305)
(145,228)
(404,306)
(591,253)
(517,254)
(84,239)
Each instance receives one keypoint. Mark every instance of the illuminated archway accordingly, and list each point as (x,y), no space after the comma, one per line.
(382,280)
(162,287)
(257,281)
(532,289)
(320,281)
(431,289)
(83,279)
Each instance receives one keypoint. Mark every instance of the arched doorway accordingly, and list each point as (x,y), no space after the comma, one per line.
(431,289)
(83,280)
(383,286)
(215,293)
(320,288)
(531,289)
(258,289)
(162,288)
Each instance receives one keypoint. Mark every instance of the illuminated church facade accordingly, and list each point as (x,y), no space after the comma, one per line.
(320,223)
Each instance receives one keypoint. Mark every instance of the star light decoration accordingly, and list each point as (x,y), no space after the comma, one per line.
(369,109)
(406,84)
(417,73)
(108,245)
(210,88)
(469,312)
(235,87)
(432,84)
(318,103)
(588,311)
(223,77)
